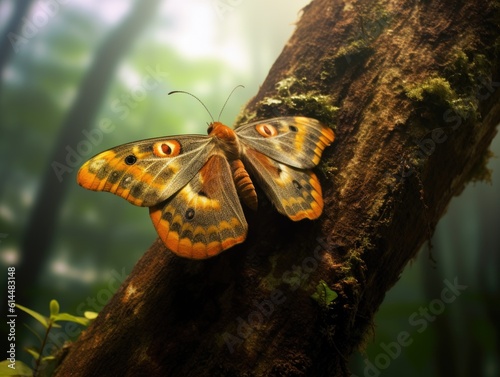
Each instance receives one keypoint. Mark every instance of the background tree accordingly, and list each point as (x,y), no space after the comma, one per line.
(14,26)
(41,225)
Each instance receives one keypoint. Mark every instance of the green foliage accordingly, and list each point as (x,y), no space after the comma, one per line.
(37,353)
(55,316)
(324,295)
(21,369)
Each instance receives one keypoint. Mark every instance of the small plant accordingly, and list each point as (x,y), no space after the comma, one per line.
(324,295)
(48,323)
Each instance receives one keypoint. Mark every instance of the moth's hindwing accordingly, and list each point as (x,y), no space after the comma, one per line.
(205,217)
(149,171)
(279,153)
(296,193)
(295,141)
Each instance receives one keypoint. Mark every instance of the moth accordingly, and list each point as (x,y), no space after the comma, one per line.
(193,184)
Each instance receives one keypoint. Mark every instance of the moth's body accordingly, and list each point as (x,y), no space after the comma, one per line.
(186,180)
(227,141)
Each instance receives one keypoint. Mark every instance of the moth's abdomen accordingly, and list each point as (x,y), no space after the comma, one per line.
(244,185)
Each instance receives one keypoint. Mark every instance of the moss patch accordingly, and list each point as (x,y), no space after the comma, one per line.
(463,84)
(438,94)
(467,70)
(436,89)
(293,97)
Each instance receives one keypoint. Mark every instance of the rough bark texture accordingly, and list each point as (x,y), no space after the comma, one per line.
(409,87)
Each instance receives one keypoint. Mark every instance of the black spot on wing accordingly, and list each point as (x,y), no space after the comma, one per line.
(189,215)
(115,176)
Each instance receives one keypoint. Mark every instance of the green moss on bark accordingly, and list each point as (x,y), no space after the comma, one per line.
(293,97)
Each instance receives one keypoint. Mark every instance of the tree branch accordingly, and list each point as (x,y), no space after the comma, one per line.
(410,87)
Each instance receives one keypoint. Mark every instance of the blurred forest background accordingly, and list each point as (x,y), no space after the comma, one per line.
(78,77)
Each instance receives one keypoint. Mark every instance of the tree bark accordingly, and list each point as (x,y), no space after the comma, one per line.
(409,87)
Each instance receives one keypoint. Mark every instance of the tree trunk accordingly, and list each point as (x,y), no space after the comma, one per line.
(409,88)
(14,26)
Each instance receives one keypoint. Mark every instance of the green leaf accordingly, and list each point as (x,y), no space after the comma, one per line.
(71,318)
(50,357)
(90,315)
(22,370)
(54,308)
(33,352)
(324,295)
(40,318)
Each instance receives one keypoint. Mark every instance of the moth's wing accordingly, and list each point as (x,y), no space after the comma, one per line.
(295,141)
(149,171)
(205,217)
(296,193)
(279,153)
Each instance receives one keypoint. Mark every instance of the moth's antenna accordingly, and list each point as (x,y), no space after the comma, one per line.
(199,100)
(229,96)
